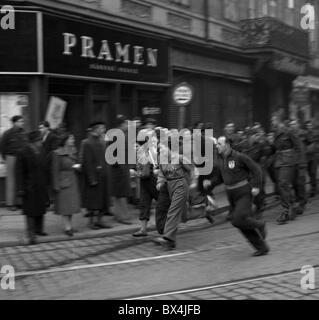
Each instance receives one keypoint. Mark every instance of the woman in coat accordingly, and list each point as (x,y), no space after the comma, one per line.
(64,182)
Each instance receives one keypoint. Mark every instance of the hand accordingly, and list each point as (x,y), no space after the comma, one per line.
(156,172)
(255,191)
(159,186)
(207,184)
(133,173)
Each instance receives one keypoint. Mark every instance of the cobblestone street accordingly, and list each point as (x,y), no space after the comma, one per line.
(216,263)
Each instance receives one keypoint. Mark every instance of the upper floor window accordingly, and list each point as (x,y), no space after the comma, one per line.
(230,10)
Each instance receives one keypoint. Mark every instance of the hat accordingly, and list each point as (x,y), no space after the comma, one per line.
(34,136)
(14,119)
(96,123)
(150,120)
(120,119)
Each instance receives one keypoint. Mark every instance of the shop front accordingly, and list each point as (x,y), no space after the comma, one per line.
(95,70)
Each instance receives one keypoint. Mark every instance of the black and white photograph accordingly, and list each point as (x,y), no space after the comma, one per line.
(159,151)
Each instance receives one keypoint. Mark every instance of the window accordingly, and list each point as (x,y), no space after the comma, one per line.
(230,10)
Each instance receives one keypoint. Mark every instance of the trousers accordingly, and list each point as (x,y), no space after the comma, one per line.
(11,180)
(178,193)
(242,216)
(147,194)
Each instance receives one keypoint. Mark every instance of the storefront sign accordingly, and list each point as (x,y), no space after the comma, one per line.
(82,49)
(183,94)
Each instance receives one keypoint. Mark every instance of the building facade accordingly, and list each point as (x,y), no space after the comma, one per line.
(126,56)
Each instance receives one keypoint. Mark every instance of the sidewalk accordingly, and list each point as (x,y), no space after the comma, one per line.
(12,224)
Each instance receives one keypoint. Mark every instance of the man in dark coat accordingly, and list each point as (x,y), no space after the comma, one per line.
(12,142)
(95,175)
(31,185)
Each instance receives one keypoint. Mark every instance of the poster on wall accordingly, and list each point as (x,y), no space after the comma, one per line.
(55,112)
(11,105)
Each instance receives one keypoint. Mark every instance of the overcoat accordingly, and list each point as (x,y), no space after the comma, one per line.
(31,181)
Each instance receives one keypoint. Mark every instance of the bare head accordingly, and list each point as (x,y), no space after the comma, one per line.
(223,145)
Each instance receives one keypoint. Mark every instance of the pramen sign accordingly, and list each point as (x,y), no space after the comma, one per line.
(84,49)
(54,45)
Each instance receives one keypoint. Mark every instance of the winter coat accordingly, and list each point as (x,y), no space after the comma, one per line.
(31,181)
(65,184)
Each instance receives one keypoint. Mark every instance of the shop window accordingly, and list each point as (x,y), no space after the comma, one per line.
(230,10)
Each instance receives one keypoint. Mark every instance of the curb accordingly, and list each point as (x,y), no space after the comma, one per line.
(110,233)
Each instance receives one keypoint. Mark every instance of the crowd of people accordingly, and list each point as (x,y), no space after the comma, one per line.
(44,166)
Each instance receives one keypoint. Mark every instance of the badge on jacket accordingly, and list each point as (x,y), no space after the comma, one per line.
(231,164)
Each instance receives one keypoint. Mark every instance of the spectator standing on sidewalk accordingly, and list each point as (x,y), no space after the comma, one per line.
(64,181)
(12,143)
(31,185)
(95,176)
(120,175)
(49,143)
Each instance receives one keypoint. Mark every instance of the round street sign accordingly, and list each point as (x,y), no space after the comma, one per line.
(183,94)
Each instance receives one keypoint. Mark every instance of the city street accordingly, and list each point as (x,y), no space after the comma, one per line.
(210,262)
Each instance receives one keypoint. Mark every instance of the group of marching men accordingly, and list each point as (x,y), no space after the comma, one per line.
(243,160)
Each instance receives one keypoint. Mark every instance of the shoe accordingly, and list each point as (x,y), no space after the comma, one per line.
(127,222)
(157,240)
(69,233)
(13,208)
(103,226)
(283,218)
(228,217)
(263,231)
(42,234)
(293,214)
(140,234)
(168,244)
(109,214)
(165,243)
(261,252)
(299,211)
(209,217)
(93,226)
(32,242)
